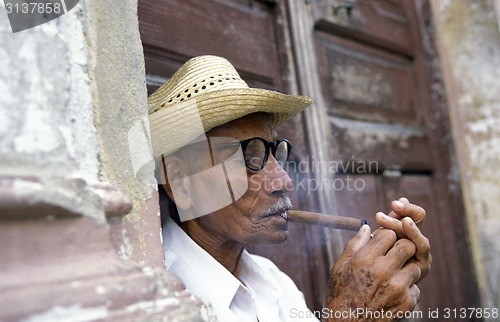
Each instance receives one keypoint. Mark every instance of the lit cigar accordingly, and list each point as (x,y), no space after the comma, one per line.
(314,218)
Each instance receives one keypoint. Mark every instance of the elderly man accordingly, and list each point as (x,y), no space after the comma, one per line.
(222,166)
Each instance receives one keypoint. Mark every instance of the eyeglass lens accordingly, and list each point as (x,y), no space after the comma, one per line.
(257,152)
(282,152)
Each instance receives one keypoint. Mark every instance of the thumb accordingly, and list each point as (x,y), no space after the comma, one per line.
(356,243)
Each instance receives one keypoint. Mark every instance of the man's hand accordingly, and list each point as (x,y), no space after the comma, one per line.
(381,273)
(374,274)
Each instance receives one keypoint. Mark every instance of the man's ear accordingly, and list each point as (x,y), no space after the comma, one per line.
(177,183)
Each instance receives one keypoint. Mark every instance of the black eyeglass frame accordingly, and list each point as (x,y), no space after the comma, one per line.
(270,146)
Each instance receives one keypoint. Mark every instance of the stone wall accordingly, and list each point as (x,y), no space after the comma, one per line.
(468,41)
(79,224)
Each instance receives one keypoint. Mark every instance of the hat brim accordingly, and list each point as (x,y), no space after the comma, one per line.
(175,126)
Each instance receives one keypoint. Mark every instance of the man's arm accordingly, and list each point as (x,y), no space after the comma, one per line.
(381,273)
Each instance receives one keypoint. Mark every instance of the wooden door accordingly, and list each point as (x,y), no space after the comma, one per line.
(249,35)
(388,134)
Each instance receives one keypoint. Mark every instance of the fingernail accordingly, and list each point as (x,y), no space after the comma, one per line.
(361,231)
(399,204)
(384,216)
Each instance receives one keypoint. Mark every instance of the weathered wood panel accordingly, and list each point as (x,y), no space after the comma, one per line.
(383,23)
(366,83)
(244,31)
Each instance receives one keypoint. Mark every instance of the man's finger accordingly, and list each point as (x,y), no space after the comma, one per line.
(383,240)
(423,247)
(410,274)
(390,223)
(415,295)
(400,253)
(356,243)
(403,208)
(406,279)
(400,290)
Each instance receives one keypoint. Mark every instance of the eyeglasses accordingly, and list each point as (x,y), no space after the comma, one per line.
(256,152)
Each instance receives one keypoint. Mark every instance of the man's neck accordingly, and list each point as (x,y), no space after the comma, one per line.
(227,253)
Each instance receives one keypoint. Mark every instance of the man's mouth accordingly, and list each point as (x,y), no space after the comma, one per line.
(283,213)
(280,208)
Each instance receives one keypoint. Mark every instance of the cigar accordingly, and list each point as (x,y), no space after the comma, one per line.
(330,221)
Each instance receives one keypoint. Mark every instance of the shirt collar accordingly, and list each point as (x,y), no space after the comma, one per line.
(217,279)
(255,276)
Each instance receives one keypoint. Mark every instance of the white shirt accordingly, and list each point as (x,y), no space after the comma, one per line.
(267,295)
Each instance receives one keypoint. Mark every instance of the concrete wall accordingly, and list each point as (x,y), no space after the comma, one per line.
(79,224)
(469,48)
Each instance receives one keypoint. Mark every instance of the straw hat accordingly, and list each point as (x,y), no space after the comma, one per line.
(207,92)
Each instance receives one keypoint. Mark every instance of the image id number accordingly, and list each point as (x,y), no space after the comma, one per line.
(470,313)
(35,7)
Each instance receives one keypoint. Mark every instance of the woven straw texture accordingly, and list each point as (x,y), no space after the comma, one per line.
(207,92)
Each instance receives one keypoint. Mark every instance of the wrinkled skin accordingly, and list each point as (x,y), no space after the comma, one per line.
(377,274)
(380,273)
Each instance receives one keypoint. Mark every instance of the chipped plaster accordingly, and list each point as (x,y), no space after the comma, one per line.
(46,103)
(469,49)
(367,134)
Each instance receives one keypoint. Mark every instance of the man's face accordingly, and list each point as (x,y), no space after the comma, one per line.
(255,217)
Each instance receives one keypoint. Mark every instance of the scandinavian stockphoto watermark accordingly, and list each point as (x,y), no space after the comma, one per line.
(310,175)
(26,14)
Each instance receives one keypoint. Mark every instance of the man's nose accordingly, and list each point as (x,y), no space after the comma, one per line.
(277,180)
